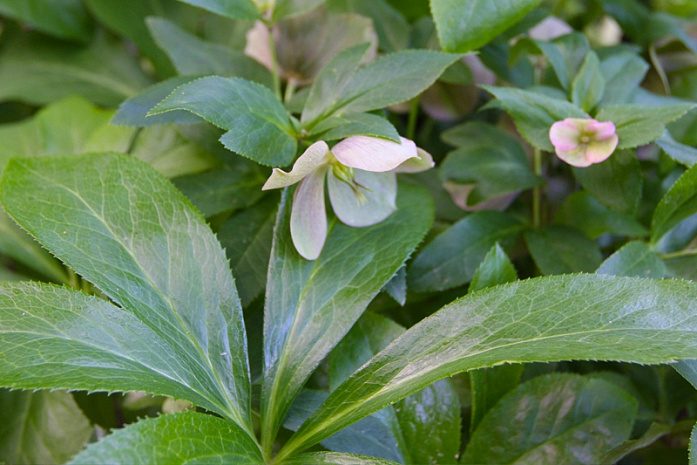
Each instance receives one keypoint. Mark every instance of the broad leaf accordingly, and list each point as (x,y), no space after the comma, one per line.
(681,153)
(127,230)
(534,113)
(311,305)
(556,318)
(66,19)
(355,124)
(452,258)
(41,427)
(640,124)
(488,385)
(466,25)
(679,203)
(236,9)
(623,72)
(634,259)
(616,183)
(558,418)
(176,438)
(257,124)
(561,249)
(38,70)
(582,211)
(588,86)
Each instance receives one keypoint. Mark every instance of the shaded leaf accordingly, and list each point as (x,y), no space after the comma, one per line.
(66,19)
(236,9)
(495,269)
(679,203)
(634,259)
(582,211)
(488,385)
(560,249)
(335,458)
(681,153)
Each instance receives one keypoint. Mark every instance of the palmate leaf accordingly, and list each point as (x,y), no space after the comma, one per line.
(127,230)
(544,319)
(177,438)
(311,305)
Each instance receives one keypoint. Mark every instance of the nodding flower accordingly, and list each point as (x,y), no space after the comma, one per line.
(583,142)
(360,176)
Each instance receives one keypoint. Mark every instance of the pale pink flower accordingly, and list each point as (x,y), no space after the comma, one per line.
(360,175)
(583,142)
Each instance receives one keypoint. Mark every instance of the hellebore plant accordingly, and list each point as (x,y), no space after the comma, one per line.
(583,142)
(360,173)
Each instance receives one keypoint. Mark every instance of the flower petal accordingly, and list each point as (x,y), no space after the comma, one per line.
(374,154)
(575,157)
(308,217)
(601,150)
(423,162)
(379,203)
(565,134)
(316,155)
(600,131)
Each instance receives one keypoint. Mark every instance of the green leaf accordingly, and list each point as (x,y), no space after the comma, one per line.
(634,259)
(638,125)
(127,230)
(391,27)
(556,318)
(397,287)
(335,458)
(466,25)
(257,124)
(488,385)
(588,86)
(247,238)
(313,304)
(582,211)
(623,72)
(495,269)
(285,9)
(559,418)
(681,153)
(134,111)
(679,203)
(561,249)
(452,258)
(39,70)
(66,19)
(41,427)
(655,432)
(355,124)
(235,9)
(617,183)
(392,79)
(534,113)
(194,56)
(186,437)
(221,190)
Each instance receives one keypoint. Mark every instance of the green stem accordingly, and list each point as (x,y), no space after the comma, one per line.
(679,254)
(73,279)
(274,65)
(413,115)
(537,190)
(290,90)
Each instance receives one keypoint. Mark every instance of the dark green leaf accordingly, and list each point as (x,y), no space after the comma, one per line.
(466,25)
(495,269)
(335,458)
(66,19)
(534,113)
(553,419)
(556,318)
(582,211)
(40,427)
(640,124)
(488,385)
(391,27)
(187,437)
(257,124)
(397,287)
(679,203)
(127,230)
(315,303)
(560,249)
(654,433)
(452,258)
(236,9)
(634,259)
(616,183)
(355,124)
(588,86)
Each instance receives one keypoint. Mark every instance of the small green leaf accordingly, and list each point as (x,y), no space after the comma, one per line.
(257,124)
(466,25)
(355,124)
(623,72)
(582,211)
(588,86)
(127,230)
(559,418)
(41,427)
(560,249)
(679,203)
(534,113)
(634,259)
(318,301)
(235,9)
(495,269)
(681,153)
(285,9)
(187,437)
(66,19)
(617,183)
(556,318)
(452,258)
(640,124)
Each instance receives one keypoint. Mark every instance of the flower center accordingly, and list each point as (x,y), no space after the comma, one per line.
(585,139)
(347,175)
